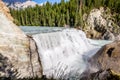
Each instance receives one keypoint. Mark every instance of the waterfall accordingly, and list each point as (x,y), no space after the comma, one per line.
(64,53)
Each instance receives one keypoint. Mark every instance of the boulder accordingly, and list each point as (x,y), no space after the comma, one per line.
(99,24)
(105,64)
(108,57)
(16,58)
(102,75)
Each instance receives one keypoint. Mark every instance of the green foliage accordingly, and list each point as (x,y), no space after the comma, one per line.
(63,13)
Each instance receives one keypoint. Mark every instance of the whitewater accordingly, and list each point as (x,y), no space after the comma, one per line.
(64,54)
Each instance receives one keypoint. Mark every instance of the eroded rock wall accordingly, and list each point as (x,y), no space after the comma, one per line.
(35,59)
(15,54)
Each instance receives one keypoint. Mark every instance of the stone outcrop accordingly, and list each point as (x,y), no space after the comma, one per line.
(35,60)
(105,64)
(5,10)
(102,75)
(99,24)
(118,37)
(108,57)
(16,58)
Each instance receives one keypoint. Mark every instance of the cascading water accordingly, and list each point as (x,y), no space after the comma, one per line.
(64,54)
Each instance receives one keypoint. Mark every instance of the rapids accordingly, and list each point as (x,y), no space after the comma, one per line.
(64,54)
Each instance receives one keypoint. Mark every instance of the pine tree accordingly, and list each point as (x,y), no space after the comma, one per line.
(58,14)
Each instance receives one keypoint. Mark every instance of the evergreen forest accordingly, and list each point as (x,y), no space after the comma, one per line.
(63,13)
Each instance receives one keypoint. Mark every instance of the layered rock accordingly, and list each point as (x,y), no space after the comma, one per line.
(99,24)
(17,60)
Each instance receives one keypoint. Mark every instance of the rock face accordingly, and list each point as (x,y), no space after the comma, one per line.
(109,57)
(20,4)
(5,10)
(101,75)
(118,37)
(35,60)
(99,24)
(16,58)
(106,62)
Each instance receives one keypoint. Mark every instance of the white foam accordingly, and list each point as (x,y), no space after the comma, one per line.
(64,54)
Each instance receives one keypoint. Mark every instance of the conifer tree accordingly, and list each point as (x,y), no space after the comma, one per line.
(59,14)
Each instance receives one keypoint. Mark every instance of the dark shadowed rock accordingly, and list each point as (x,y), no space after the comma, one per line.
(108,36)
(5,67)
(101,75)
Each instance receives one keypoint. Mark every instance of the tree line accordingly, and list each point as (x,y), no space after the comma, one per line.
(63,13)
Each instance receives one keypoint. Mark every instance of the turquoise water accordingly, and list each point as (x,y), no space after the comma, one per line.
(39,29)
(99,42)
(31,30)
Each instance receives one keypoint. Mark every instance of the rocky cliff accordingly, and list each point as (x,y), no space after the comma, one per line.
(100,24)
(16,57)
